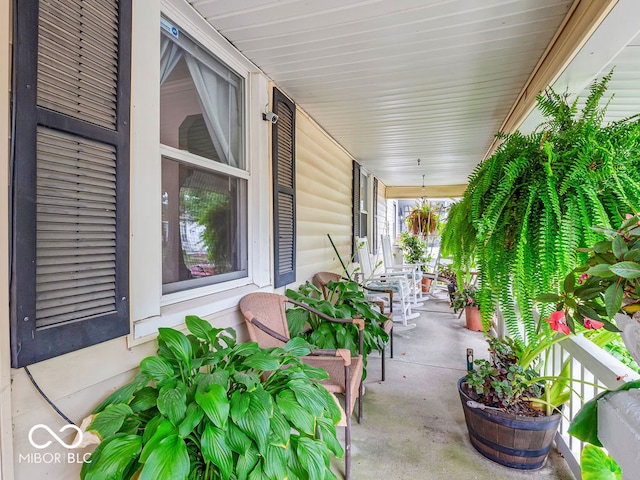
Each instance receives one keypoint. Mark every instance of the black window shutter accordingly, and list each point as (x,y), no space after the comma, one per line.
(284,189)
(356,209)
(70,162)
(375,216)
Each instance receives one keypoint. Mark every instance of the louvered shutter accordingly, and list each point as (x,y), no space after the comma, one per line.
(284,189)
(356,209)
(70,276)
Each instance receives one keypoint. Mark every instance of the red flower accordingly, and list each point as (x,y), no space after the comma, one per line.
(582,278)
(557,323)
(590,324)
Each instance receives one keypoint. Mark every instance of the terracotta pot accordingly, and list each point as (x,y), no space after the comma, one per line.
(426,284)
(511,440)
(472,316)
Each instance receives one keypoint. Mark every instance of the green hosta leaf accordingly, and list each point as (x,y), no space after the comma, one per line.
(169,460)
(112,458)
(199,327)
(257,473)
(308,396)
(297,319)
(280,430)
(144,399)
(597,465)
(250,380)
(601,270)
(613,298)
(246,463)
(261,361)
(299,417)
(619,247)
(275,462)
(172,402)
(157,368)
(177,342)
(255,422)
(626,269)
(162,431)
(124,393)
(192,419)
(312,456)
(216,450)
(328,434)
(239,404)
(215,404)
(219,377)
(332,410)
(246,348)
(237,441)
(298,347)
(109,421)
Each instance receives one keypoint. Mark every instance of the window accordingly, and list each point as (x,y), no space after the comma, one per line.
(204,174)
(70,197)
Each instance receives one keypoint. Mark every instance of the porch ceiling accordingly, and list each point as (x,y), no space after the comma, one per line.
(394,81)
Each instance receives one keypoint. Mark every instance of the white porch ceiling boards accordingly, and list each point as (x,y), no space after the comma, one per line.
(397,80)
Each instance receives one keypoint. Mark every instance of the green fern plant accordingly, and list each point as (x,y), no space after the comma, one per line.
(532,204)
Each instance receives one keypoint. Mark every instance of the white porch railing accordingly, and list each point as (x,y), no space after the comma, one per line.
(591,364)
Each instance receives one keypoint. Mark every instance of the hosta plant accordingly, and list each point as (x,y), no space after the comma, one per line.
(209,408)
(347,301)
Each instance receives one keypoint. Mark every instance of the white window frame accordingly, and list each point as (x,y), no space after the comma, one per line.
(150,309)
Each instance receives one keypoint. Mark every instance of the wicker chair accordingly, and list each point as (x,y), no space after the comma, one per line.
(266,321)
(321,279)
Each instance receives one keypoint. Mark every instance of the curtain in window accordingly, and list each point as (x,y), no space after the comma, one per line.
(170,54)
(218,99)
(216,96)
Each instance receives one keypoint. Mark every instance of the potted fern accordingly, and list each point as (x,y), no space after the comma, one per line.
(207,407)
(529,206)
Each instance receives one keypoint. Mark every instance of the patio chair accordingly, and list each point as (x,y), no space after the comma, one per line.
(397,283)
(266,321)
(413,271)
(321,279)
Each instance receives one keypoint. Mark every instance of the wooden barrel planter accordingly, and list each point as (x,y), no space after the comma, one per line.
(510,440)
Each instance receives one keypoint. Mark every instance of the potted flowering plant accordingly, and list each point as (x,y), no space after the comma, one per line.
(467,299)
(511,403)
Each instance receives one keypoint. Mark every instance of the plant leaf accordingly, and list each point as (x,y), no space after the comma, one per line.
(328,435)
(626,269)
(548,298)
(177,342)
(157,368)
(601,270)
(299,417)
(276,460)
(144,399)
(255,422)
(215,404)
(237,441)
(216,450)
(192,419)
(597,465)
(172,402)
(246,463)
(163,429)
(311,455)
(613,298)
(168,461)
(124,393)
(109,421)
(261,360)
(239,404)
(619,247)
(199,327)
(112,458)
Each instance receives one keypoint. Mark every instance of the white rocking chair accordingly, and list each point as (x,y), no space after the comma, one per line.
(413,271)
(396,282)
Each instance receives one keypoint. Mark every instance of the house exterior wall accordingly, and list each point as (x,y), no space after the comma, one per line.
(323,200)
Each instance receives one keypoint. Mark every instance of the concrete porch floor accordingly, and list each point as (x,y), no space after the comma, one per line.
(413,425)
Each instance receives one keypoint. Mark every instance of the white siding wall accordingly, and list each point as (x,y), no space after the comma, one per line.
(323,189)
